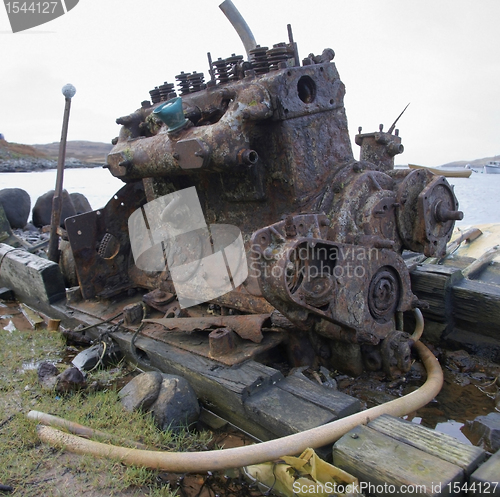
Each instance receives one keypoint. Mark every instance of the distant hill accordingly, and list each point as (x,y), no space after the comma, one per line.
(473,163)
(84,151)
(16,157)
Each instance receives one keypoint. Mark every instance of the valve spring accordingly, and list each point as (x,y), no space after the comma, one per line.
(258,58)
(279,53)
(196,81)
(165,90)
(221,70)
(155,95)
(183,82)
(232,66)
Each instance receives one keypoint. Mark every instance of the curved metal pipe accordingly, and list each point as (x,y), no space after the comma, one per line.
(215,460)
(239,24)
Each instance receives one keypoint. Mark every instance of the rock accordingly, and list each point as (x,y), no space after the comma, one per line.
(16,203)
(80,203)
(42,211)
(47,375)
(70,380)
(459,360)
(141,392)
(176,406)
(486,429)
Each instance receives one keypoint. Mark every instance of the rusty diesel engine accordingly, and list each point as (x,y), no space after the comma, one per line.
(265,143)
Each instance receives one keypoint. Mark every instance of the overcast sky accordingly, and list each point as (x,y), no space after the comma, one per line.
(440,55)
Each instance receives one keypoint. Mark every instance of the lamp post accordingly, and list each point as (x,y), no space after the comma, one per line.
(53,251)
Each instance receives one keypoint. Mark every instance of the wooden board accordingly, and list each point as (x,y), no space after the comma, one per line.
(476,307)
(487,477)
(432,283)
(432,442)
(222,389)
(380,460)
(337,403)
(36,281)
(284,413)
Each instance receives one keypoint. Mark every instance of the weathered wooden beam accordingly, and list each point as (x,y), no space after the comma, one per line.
(486,480)
(337,403)
(222,389)
(36,281)
(432,283)
(391,467)
(476,307)
(441,445)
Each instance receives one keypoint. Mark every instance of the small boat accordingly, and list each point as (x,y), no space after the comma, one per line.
(459,173)
(493,167)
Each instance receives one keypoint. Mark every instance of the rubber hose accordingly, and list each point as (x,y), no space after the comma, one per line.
(419,327)
(215,460)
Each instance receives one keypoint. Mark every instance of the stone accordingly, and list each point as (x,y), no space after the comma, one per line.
(459,360)
(42,211)
(70,380)
(16,203)
(47,375)
(486,429)
(176,406)
(80,203)
(141,391)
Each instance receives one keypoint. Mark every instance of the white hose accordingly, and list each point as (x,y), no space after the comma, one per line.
(215,460)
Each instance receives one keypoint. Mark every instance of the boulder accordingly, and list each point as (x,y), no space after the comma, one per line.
(141,392)
(80,203)
(42,211)
(176,406)
(16,203)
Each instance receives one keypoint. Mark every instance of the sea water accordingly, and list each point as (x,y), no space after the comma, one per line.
(478,195)
(97,183)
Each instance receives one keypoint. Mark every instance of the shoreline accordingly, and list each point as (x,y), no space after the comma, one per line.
(32,165)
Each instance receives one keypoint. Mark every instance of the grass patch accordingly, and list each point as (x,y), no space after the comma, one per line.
(33,468)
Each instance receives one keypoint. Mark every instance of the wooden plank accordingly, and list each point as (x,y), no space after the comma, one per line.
(37,281)
(220,388)
(33,318)
(338,403)
(432,283)
(382,461)
(476,307)
(486,480)
(283,413)
(441,445)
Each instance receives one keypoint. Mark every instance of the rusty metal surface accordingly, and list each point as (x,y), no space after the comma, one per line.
(266,144)
(247,327)
(197,342)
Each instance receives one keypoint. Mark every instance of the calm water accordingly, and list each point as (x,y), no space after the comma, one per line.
(97,184)
(479,198)
(479,195)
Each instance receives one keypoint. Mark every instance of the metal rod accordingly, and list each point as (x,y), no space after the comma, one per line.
(239,24)
(391,129)
(53,249)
